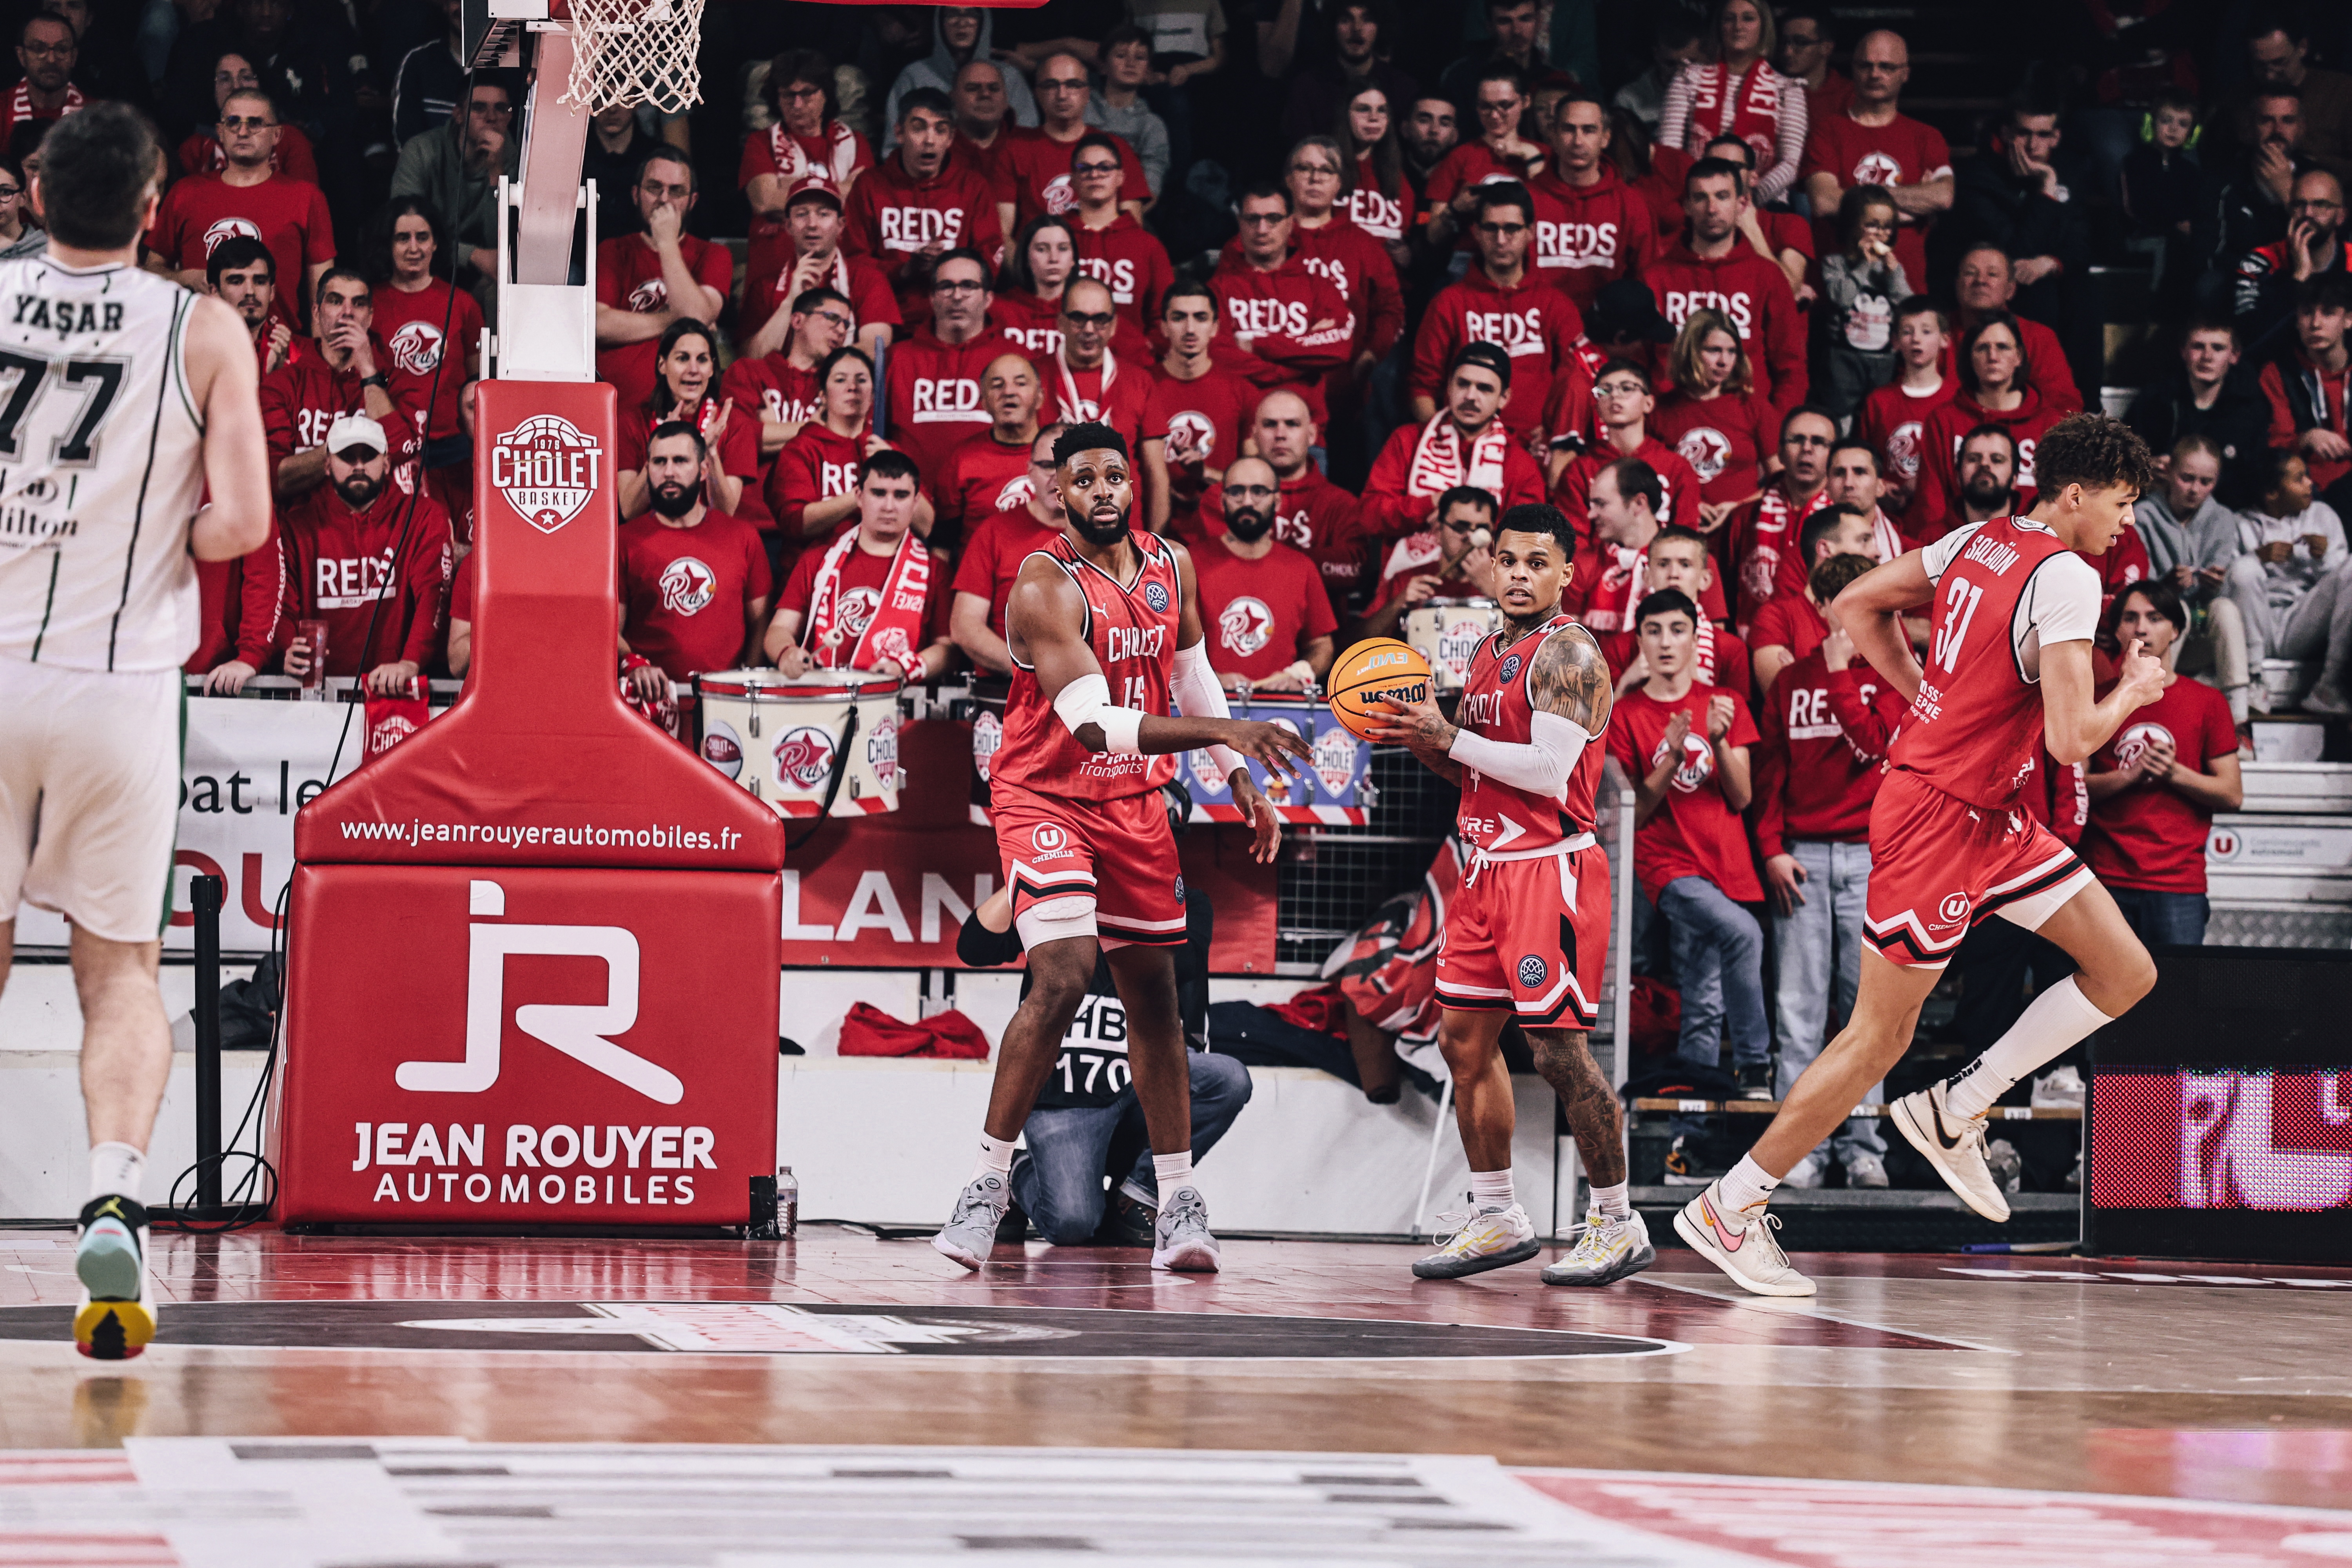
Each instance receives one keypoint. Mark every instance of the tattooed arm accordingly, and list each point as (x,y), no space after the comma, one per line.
(1571,678)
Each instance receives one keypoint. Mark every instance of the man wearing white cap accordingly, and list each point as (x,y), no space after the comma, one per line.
(365,550)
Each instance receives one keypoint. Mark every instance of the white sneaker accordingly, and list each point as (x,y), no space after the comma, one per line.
(1954,1145)
(2059,1087)
(1742,1245)
(1864,1169)
(1608,1251)
(1479,1240)
(1805,1174)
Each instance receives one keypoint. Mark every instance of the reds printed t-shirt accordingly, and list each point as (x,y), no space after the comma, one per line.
(993,557)
(1901,152)
(684,591)
(891,218)
(2151,836)
(287,215)
(1694,832)
(1128,259)
(415,329)
(1037,168)
(1376,214)
(1755,294)
(1724,438)
(1258,614)
(629,277)
(1280,310)
(863,576)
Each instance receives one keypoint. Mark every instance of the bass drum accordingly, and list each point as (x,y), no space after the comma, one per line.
(987,713)
(1447,633)
(785,737)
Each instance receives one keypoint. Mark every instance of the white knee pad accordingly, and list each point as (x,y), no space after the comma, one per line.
(1055,919)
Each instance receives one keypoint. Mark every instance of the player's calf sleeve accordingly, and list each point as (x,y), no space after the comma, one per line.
(2055,1020)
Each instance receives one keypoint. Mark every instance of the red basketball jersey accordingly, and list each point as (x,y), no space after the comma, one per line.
(2003,591)
(1133,629)
(1497,818)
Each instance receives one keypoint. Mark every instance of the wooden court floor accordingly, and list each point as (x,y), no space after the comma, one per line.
(2225,1384)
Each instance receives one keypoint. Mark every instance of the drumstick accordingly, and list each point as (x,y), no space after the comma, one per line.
(1479,540)
(881,391)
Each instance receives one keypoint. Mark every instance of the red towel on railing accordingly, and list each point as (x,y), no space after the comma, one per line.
(867,1031)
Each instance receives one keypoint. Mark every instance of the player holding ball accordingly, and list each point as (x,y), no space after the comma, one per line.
(1529,933)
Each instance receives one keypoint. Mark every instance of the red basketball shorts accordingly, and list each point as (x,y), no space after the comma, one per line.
(1105,869)
(1530,937)
(1938,865)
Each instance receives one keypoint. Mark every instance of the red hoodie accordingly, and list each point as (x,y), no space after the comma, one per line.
(303,396)
(1532,320)
(1589,236)
(1128,259)
(1298,318)
(1755,294)
(1391,507)
(339,564)
(1358,264)
(891,217)
(1573,493)
(933,398)
(1939,450)
(1824,738)
(241,602)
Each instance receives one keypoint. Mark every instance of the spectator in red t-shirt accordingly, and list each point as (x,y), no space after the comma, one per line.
(988,473)
(1501,153)
(1268,620)
(289,215)
(807,136)
(646,281)
(1622,401)
(1790,625)
(1277,308)
(1713,418)
(689,363)
(992,560)
(1467,441)
(2157,783)
(1993,391)
(877,597)
(1192,426)
(1083,380)
(201,152)
(1686,747)
(1870,142)
(694,583)
(811,492)
(418,315)
(1033,167)
(1825,724)
(781,386)
(363,553)
(1894,417)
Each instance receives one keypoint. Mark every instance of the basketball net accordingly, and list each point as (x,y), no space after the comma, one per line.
(627,52)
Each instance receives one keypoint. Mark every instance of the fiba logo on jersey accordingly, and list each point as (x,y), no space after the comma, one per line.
(1191,438)
(416,348)
(688,586)
(546,468)
(722,748)
(1245,626)
(1016,493)
(1509,670)
(1705,450)
(229,228)
(2132,745)
(803,757)
(1156,595)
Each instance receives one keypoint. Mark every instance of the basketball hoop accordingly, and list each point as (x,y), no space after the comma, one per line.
(626,52)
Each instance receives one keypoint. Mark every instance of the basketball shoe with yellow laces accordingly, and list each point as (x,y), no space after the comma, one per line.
(1487,1237)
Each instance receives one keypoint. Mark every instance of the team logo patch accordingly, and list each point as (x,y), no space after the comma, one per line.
(228,228)
(722,748)
(1532,971)
(546,467)
(1336,752)
(1047,839)
(1206,771)
(1155,595)
(1954,909)
(416,348)
(804,757)
(882,752)
(2132,745)
(1179,887)
(1191,437)
(649,296)
(1509,671)
(1016,493)
(1705,449)
(987,734)
(1903,449)
(1245,626)
(1875,168)
(688,586)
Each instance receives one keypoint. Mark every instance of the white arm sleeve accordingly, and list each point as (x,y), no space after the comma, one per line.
(1087,700)
(1540,766)
(1195,687)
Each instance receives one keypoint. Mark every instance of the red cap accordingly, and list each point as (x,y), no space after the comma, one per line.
(814,182)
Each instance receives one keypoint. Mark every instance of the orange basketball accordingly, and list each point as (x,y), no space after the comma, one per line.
(1372,669)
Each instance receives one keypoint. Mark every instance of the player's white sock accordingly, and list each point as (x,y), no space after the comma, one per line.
(1493,1189)
(2053,1022)
(116,1170)
(1615,1203)
(995,1157)
(1746,1187)
(1171,1171)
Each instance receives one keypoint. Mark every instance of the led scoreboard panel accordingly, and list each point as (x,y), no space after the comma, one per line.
(2220,1114)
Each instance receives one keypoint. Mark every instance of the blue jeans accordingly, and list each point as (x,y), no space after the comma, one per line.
(1060,1184)
(2164,920)
(1820,949)
(1720,965)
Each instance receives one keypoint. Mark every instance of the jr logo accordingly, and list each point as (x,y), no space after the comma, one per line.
(583,1033)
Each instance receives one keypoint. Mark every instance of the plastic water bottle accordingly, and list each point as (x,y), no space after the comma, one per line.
(788,1202)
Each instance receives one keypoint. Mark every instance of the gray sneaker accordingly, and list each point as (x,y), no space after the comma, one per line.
(980,1208)
(1181,1240)
(1606,1252)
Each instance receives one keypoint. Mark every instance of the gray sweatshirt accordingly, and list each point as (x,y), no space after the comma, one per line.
(2208,537)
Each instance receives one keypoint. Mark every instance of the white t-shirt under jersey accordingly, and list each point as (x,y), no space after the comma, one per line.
(2060,603)
(101,465)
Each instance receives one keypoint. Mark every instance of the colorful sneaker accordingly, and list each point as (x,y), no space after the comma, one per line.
(1741,1244)
(970,1235)
(1608,1251)
(1481,1240)
(1954,1145)
(1180,1238)
(1686,1168)
(116,1318)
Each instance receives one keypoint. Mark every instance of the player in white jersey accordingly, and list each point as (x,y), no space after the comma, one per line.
(123,399)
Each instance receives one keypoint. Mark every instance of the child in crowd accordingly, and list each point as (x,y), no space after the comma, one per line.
(1853,327)
(1895,416)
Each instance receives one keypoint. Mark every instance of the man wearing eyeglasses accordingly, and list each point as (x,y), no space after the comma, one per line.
(783,385)
(1269,622)
(994,551)
(2269,276)
(921,202)
(1034,164)
(1499,154)
(1276,306)
(647,281)
(1086,383)
(1502,301)
(1871,142)
(814,225)
(933,380)
(1114,249)
(248,197)
(46,50)
(1806,45)
(1773,525)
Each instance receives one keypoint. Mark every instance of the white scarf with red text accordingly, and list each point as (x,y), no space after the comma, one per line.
(792,161)
(20,105)
(1437,465)
(1773,530)
(1624,582)
(894,629)
(1075,409)
(1746,106)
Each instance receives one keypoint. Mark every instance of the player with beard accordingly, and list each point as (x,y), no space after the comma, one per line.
(340,540)
(1267,618)
(1106,612)
(694,583)
(1529,932)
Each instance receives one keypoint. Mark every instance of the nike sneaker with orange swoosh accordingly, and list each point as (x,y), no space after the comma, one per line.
(116,1318)
(1740,1242)
(1954,1145)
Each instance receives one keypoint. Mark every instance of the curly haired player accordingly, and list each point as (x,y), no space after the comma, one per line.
(2008,672)
(1528,932)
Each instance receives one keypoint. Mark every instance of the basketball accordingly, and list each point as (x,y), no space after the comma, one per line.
(1372,669)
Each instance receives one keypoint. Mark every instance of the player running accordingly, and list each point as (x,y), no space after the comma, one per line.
(2008,672)
(1105,613)
(1529,932)
(130,398)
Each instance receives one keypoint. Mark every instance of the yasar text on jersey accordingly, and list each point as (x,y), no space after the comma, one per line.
(66,317)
